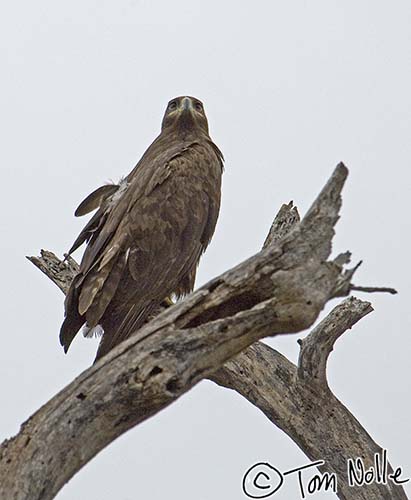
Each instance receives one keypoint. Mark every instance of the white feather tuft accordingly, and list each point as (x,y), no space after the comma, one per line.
(123,185)
(89,333)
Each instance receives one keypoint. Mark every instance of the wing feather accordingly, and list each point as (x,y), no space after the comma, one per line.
(95,199)
(147,244)
(105,295)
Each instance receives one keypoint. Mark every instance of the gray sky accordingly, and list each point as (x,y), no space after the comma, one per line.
(290,89)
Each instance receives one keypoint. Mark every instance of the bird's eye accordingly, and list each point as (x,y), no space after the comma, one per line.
(172,106)
(199,106)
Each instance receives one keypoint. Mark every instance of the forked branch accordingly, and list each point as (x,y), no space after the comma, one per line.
(280,290)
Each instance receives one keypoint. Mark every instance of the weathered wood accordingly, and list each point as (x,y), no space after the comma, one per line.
(60,272)
(317,346)
(280,290)
(299,401)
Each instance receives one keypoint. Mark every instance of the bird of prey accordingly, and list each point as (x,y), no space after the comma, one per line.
(149,232)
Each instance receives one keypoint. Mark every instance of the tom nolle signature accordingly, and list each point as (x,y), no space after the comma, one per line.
(262,480)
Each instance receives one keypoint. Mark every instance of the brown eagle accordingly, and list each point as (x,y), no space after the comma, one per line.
(146,239)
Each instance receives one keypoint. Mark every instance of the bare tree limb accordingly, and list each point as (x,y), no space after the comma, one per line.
(373,289)
(286,220)
(317,346)
(299,401)
(280,290)
(60,272)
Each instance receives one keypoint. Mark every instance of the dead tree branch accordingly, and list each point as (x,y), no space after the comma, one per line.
(280,290)
(299,401)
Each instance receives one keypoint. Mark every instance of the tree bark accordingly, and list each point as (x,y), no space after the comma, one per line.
(280,290)
(299,401)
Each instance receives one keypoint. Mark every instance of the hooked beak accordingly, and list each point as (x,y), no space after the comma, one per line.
(186,104)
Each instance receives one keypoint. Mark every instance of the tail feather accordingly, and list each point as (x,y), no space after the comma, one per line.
(71,324)
(73,319)
(129,323)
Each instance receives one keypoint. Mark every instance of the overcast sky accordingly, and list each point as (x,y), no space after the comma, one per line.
(290,89)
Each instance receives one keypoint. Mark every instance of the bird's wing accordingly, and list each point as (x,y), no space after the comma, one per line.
(104,198)
(99,198)
(171,226)
(91,228)
(95,199)
(145,244)
(106,254)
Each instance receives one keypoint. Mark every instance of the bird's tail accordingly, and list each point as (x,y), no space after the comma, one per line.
(117,331)
(73,320)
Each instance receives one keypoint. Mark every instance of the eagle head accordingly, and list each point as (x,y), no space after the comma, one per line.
(183,114)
